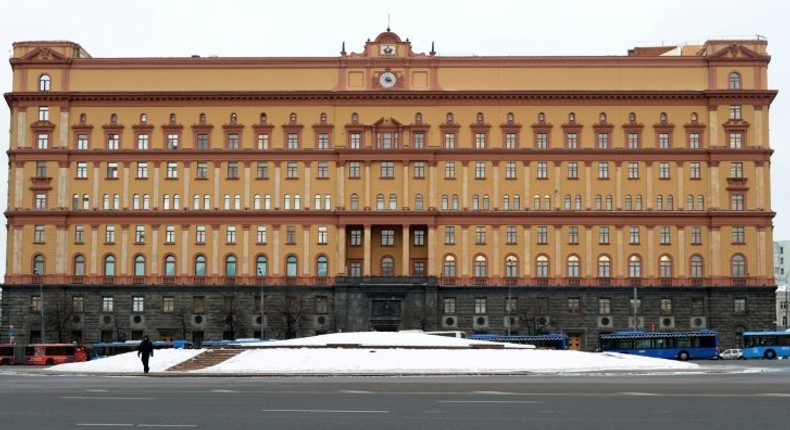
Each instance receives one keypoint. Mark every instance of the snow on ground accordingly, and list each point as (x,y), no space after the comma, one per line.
(385,353)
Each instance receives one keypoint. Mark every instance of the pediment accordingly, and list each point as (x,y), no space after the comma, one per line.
(735,51)
(387,122)
(44,54)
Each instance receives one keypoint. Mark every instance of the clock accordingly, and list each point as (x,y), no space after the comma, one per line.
(387,49)
(388,80)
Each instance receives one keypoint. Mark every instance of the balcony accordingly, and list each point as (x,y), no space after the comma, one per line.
(542,280)
(604,280)
(573,281)
(635,281)
(665,282)
(480,280)
(511,280)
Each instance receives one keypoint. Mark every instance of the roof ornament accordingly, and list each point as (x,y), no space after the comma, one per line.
(388,23)
(433,50)
(343,49)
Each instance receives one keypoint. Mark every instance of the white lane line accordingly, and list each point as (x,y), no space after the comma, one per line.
(324,411)
(490,401)
(167,425)
(103,425)
(775,395)
(636,393)
(106,398)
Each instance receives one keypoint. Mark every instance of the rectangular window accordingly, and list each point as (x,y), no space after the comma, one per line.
(663,170)
(480,170)
(292,170)
(290,235)
(387,237)
(43,113)
(323,140)
(736,140)
(480,140)
(82,170)
(41,169)
(200,234)
(603,140)
(603,235)
(510,140)
(107,304)
(696,235)
(142,170)
(233,141)
(738,235)
(113,141)
(573,235)
(198,304)
(511,235)
(233,170)
(633,170)
(735,112)
(322,170)
(543,170)
(323,235)
(78,304)
(387,170)
(663,141)
(633,235)
(230,234)
(170,234)
(572,141)
(480,305)
(139,234)
(419,169)
(633,141)
(354,140)
(449,170)
(138,304)
(419,238)
(202,141)
(739,307)
(573,170)
(603,170)
(574,305)
(79,234)
(109,234)
(168,304)
(418,140)
(449,305)
(449,235)
(201,172)
(695,170)
(697,306)
(542,141)
(356,237)
(736,169)
(82,142)
(665,235)
(694,140)
(172,141)
(263,141)
(604,306)
(112,170)
(543,235)
(737,202)
(261,235)
(172,170)
(39,233)
(262,170)
(511,170)
(354,170)
(666,307)
(292,141)
(480,235)
(41,201)
(43,141)
(449,140)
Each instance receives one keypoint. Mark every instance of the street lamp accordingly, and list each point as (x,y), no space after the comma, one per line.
(263,306)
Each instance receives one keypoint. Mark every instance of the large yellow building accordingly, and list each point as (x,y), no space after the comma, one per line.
(388,189)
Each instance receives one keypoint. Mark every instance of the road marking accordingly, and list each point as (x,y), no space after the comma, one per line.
(104,425)
(775,395)
(107,398)
(224,391)
(489,401)
(138,425)
(167,425)
(325,411)
(97,391)
(355,392)
(639,394)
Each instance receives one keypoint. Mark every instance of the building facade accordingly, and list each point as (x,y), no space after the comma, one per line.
(207,198)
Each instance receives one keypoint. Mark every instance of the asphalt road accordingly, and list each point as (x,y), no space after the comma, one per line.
(727,395)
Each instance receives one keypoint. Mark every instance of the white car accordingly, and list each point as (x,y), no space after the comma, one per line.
(731,354)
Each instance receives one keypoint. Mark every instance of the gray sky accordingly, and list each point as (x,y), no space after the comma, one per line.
(180,28)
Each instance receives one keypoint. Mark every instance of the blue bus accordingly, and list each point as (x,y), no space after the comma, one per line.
(679,345)
(544,341)
(106,349)
(766,344)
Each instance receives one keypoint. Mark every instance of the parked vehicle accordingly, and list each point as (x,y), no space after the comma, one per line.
(731,354)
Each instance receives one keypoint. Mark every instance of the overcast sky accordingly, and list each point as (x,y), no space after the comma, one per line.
(149,28)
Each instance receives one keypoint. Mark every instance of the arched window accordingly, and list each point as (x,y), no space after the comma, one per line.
(480,267)
(263,118)
(267,202)
(105,202)
(638,204)
(170,265)
(196,201)
(261,266)
(608,202)
(604,267)
(670,203)
(700,202)
(602,117)
(598,202)
(79,265)
(578,202)
(510,118)
(287,202)
(573,266)
(486,202)
(635,267)
(321,266)
(571,117)
(206,202)
(694,117)
(516,202)
(38,265)
(109,265)
(200,265)
(480,117)
(445,202)
(697,270)
(734,81)
(449,266)
(236,202)
(293,117)
(44,83)
(166,202)
(354,118)
(456,202)
(354,202)
(75,201)
(536,202)
(393,202)
(234,118)
(665,266)
(226,201)
(139,265)
(629,203)
(328,202)
(542,266)
(511,266)
(202,118)
(738,266)
(86,202)
(662,118)
(297,201)
(475,202)
(690,202)
(256,202)
(116,201)
(568,202)
(449,117)
(546,202)
(113,118)
(631,117)
(146,202)
(541,117)
(418,118)
(387,266)
(659,202)
(172,118)
(143,118)
(380,201)
(230,265)
(317,202)
(291,266)
(418,204)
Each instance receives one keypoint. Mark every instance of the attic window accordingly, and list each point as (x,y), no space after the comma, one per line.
(172,118)
(632,117)
(510,118)
(571,117)
(662,118)
(541,117)
(234,118)
(479,117)
(354,118)
(143,118)
(201,118)
(293,118)
(44,83)
(323,118)
(263,118)
(418,118)
(602,118)
(449,117)
(113,118)
(694,118)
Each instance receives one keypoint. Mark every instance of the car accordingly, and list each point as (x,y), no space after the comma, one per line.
(731,354)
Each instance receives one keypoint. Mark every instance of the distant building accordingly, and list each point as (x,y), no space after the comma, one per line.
(207,198)
(781,262)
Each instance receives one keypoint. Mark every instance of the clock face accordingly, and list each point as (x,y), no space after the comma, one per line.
(387,49)
(387,79)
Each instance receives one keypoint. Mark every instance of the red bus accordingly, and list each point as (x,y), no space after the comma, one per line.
(54,353)
(7,353)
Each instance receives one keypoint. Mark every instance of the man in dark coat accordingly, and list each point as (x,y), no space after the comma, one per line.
(145,350)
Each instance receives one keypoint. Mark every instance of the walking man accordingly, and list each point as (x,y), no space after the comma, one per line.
(145,350)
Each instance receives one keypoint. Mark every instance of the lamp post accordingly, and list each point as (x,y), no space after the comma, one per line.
(263,306)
